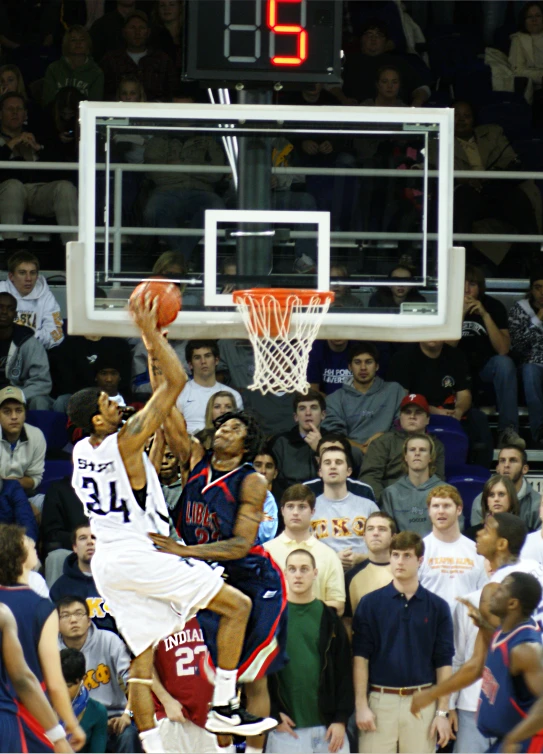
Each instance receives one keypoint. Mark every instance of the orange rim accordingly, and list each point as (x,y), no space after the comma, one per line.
(305,295)
(279,304)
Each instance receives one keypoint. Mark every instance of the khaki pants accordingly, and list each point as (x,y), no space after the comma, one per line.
(397,729)
(56,199)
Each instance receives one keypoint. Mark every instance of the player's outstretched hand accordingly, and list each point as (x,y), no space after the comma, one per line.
(165,544)
(420,700)
(144,310)
(476,615)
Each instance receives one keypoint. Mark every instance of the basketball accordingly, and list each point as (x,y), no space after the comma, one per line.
(169,299)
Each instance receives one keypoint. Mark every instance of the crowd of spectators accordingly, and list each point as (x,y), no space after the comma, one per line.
(358,503)
(359,512)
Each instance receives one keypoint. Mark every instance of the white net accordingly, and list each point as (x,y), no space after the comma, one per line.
(281,341)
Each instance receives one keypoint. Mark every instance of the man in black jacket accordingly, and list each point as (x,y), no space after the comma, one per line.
(312,697)
(295,450)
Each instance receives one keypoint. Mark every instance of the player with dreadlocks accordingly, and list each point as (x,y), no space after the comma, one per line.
(218,517)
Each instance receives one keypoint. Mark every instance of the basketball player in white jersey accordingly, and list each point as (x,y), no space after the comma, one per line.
(150,595)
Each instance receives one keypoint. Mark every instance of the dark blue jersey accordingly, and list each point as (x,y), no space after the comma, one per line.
(505,699)
(7,702)
(31,612)
(208,509)
(207,512)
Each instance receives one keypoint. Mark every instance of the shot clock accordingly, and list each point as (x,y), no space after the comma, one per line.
(276,41)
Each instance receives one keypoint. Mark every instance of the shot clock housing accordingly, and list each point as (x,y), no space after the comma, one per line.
(263,41)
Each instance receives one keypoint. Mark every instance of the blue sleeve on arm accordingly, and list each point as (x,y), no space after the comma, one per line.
(444,645)
(23,513)
(363,640)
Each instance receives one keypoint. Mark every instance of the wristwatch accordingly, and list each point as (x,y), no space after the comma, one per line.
(441,713)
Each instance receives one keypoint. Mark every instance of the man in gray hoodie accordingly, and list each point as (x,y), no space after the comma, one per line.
(107,661)
(366,407)
(405,500)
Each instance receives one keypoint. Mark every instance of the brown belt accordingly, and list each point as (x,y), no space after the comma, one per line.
(405,691)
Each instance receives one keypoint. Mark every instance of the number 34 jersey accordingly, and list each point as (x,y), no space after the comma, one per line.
(101,483)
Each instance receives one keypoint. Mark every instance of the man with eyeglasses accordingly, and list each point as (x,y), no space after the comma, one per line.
(107,662)
(29,190)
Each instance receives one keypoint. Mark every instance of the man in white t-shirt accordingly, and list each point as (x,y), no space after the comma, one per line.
(202,357)
(297,506)
(451,565)
(339,519)
(533,547)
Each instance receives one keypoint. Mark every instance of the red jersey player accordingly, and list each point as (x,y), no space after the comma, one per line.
(183,693)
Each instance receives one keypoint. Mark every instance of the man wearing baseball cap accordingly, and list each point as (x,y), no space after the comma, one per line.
(22,447)
(383,462)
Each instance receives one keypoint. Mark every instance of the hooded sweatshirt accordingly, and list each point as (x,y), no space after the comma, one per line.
(39,310)
(407,504)
(75,581)
(27,366)
(360,415)
(383,463)
(107,662)
(87,78)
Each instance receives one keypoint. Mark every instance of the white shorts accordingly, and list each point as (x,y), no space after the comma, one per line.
(187,738)
(151,594)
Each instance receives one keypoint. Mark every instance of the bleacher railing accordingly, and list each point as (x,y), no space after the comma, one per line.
(117,229)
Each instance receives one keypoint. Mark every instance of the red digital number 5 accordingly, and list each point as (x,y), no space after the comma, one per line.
(279,28)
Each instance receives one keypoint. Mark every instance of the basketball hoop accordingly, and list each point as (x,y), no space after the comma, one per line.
(280,356)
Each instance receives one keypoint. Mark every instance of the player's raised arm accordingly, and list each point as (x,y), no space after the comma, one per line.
(184,447)
(164,361)
(26,684)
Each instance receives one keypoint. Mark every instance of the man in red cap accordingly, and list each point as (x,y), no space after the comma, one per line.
(383,461)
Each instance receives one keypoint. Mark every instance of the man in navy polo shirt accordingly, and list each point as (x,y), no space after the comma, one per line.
(402,641)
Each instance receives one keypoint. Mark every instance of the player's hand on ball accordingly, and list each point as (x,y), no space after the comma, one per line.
(144,310)
(165,544)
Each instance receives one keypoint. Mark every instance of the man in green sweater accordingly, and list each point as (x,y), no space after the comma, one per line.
(312,697)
